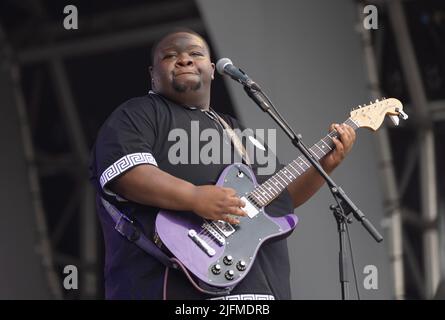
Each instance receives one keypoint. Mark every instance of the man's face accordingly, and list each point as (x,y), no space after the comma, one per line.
(182,65)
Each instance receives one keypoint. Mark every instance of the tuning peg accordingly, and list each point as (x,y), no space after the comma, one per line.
(395,119)
(376,100)
(402,114)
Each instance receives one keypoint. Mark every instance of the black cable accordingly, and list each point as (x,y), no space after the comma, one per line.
(352,263)
(350,245)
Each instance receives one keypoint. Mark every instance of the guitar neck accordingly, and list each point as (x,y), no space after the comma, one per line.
(265,193)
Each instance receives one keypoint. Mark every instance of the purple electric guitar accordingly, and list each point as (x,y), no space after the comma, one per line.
(221,254)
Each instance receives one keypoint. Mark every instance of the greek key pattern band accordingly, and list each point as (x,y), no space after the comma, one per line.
(125,163)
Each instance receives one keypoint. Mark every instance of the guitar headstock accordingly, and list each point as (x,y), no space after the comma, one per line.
(371,116)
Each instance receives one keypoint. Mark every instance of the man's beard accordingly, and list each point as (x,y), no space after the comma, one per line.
(184,87)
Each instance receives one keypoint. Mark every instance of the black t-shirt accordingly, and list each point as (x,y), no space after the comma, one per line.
(150,130)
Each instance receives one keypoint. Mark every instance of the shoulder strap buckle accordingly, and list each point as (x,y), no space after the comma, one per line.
(127,228)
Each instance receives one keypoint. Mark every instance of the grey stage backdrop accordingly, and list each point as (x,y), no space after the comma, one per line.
(308,57)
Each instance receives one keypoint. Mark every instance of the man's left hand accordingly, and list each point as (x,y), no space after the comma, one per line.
(342,146)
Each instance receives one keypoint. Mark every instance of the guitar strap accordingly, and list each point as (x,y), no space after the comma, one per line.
(237,144)
(128,229)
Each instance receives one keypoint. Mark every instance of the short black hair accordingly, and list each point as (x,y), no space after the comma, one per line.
(170,32)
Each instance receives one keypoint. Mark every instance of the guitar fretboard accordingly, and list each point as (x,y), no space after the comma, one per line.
(265,193)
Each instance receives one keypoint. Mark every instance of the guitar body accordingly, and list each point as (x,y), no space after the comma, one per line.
(217,253)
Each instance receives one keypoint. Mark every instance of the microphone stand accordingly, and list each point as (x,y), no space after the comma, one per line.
(344,203)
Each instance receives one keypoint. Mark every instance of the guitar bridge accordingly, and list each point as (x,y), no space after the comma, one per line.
(214,233)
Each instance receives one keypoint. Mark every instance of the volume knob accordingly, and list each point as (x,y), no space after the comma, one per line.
(241,265)
(229,275)
(216,269)
(228,260)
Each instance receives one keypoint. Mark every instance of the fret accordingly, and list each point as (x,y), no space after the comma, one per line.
(323,153)
(273,185)
(271,188)
(290,165)
(282,186)
(258,195)
(326,145)
(291,171)
(312,152)
(315,153)
(264,192)
(288,175)
(285,176)
(352,123)
(304,161)
(294,177)
(277,181)
(261,200)
(300,165)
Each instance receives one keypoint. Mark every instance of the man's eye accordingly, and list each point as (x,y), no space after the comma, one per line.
(169,55)
(197,53)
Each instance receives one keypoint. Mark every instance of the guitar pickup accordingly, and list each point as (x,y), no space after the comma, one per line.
(224,227)
(249,208)
(201,243)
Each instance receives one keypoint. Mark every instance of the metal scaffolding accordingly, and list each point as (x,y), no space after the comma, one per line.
(74,163)
(422,151)
(44,246)
(426,145)
(390,192)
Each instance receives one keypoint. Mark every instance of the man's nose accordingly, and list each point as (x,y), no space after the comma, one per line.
(184,60)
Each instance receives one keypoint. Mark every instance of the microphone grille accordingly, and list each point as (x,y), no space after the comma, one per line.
(221,64)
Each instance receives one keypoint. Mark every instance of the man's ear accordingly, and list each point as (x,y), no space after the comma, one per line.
(213,72)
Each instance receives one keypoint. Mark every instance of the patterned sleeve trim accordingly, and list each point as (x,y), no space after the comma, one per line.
(123,164)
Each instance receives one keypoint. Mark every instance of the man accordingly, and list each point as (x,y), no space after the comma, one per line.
(132,168)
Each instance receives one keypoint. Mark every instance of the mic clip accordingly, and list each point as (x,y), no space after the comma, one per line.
(249,83)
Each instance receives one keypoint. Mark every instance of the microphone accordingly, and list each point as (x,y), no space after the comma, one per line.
(225,66)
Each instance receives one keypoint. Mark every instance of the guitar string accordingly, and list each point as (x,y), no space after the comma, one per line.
(255,195)
(206,233)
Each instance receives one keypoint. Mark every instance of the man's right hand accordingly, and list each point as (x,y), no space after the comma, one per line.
(149,185)
(218,203)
